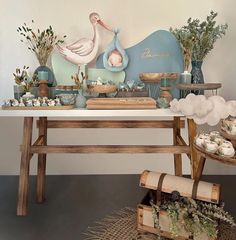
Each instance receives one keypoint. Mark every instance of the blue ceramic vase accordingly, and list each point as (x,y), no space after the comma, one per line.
(197,75)
(51,77)
(80,101)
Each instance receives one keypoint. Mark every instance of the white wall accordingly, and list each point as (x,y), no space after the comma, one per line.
(137,19)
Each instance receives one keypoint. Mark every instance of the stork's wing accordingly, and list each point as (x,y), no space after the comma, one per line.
(70,56)
(82,47)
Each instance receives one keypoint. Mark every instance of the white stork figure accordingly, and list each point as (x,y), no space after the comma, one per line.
(84,50)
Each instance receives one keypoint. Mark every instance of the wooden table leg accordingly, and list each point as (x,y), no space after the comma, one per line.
(192,132)
(24,167)
(201,164)
(177,157)
(42,162)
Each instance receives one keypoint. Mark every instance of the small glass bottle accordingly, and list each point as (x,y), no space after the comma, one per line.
(185,77)
(80,101)
(165,82)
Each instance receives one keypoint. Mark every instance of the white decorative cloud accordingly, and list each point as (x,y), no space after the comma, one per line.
(231,105)
(204,110)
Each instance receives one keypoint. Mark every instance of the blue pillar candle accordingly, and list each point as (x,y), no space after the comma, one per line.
(165,82)
(42,75)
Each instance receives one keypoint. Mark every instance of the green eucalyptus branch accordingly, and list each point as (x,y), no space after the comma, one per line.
(205,35)
(194,216)
(198,38)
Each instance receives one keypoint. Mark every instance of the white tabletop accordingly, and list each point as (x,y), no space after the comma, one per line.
(93,114)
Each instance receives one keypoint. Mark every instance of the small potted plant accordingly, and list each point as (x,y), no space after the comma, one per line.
(41,43)
(24,81)
(205,35)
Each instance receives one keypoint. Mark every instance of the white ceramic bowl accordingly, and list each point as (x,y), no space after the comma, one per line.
(67,99)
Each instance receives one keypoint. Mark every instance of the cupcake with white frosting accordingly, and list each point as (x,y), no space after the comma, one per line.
(201,138)
(226,143)
(226,150)
(210,146)
(229,125)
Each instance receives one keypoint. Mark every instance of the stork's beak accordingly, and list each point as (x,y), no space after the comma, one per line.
(104,25)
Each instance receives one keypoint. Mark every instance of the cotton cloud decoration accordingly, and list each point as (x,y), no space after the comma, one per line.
(204,110)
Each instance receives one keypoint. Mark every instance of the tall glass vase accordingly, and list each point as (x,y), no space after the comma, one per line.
(197,75)
(80,100)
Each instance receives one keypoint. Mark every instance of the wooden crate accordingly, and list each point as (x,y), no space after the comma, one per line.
(206,191)
(146,222)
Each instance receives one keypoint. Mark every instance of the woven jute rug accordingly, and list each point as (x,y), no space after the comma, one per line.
(122,225)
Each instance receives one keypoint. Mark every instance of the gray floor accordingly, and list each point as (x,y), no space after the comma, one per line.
(75,202)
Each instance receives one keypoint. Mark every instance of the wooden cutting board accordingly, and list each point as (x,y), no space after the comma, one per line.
(121,103)
(67,107)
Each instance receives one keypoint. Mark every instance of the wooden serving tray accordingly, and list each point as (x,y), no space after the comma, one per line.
(199,86)
(39,108)
(156,77)
(213,156)
(121,103)
(227,135)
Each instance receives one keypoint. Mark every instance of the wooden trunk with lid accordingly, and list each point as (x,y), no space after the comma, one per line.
(159,184)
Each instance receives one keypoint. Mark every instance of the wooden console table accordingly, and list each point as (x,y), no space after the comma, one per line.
(154,118)
(186,88)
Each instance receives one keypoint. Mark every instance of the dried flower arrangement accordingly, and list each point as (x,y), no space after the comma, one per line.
(186,40)
(197,38)
(195,216)
(75,77)
(41,43)
(23,79)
